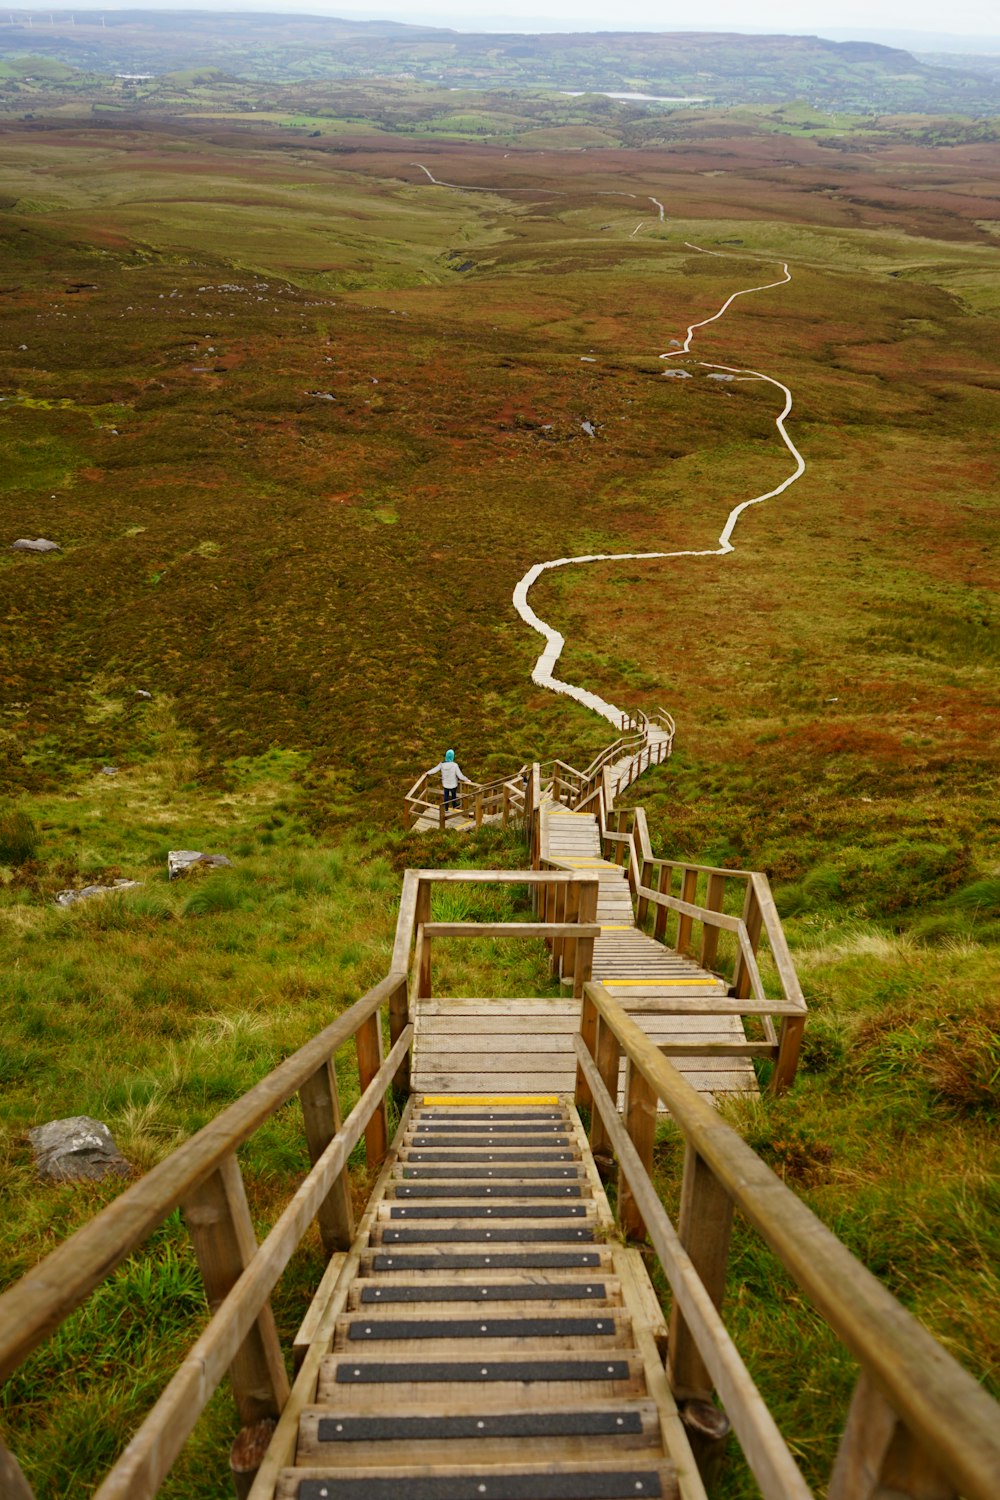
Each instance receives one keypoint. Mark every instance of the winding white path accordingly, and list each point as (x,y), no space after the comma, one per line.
(543,672)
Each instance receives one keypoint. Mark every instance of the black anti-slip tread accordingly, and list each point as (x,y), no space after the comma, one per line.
(490,1174)
(480,1210)
(473,1372)
(472,1291)
(497,1260)
(632,1483)
(364,1329)
(441,1189)
(526,1424)
(544,1128)
(424,1142)
(541,1115)
(414,1235)
(535,1159)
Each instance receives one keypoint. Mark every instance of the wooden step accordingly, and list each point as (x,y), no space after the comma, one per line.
(483,1257)
(484,1287)
(465,1172)
(554,1434)
(450,1232)
(502,1328)
(482,1188)
(610,1480)
(371,1382)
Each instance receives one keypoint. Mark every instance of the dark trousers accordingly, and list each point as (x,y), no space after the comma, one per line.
(450,797)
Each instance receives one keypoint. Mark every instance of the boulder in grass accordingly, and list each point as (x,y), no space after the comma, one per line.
(38,544)
(77,1149)
(141,694)
(180,861)
(70,898)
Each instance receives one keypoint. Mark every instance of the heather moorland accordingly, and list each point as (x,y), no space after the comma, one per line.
(299,419)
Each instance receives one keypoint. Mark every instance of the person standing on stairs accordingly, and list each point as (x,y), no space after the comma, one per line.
(451,775)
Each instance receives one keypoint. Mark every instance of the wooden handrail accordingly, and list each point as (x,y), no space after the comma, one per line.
(944,1412)
(49,1292)
(146,1461)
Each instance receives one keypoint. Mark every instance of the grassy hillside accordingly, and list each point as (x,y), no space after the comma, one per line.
(299,421)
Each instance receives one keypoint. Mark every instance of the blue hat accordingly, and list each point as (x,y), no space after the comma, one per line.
(449,755)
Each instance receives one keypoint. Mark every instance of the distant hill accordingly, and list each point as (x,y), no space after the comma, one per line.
(726,68)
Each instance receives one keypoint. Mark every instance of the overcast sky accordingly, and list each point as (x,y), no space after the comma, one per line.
(913,23)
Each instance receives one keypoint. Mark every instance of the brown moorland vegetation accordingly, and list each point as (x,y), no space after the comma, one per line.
(299,421)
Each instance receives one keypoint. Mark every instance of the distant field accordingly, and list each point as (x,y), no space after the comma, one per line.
(300,419)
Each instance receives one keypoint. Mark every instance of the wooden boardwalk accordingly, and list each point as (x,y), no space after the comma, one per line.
(483,1337)
(488,1046)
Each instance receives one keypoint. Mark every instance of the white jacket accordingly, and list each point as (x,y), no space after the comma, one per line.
(451,773)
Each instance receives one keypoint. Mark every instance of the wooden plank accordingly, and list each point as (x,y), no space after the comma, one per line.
(953,1417)
(217,1216)
(879,1459)
(704,1227)
(770,1462)
(370,1056)
(282,1449)
(321,1117)
(13,1485)
(162,1434)
(552,929)
(309,1327)
(499,1438)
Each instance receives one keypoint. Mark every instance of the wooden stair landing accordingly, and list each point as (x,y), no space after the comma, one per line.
(486,1337)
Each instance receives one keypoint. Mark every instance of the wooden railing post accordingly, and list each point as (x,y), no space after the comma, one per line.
(878,1457)
(399,1017)
(789,1045)
(662,912)
(689,893)
(710,935)
(583,962)
(571,913)
(608,1058)
(588,1031)
(423,954)
(752,919)
(704,1225)
(619,854)
(640,1122)
(479,809)
(218,1219)
(558,915)
(322,1120)
(370,1057)
(13,1485)
(506,805)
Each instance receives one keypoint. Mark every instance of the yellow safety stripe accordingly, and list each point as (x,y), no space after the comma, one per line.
(615,984)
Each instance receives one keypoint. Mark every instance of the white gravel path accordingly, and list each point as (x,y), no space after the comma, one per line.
(543,672)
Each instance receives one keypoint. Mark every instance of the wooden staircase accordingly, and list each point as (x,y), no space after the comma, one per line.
(490,1337)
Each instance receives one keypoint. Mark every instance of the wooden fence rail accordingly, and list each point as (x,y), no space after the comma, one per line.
(203,1178)
(919,1425)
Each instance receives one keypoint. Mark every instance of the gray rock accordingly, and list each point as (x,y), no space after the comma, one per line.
(39,544)
(78,1149)
(180,861)
(70,898)
(141,693)
(677,374)
(109,770)
(589,429)
(720,377)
